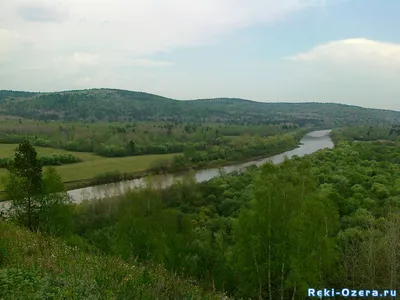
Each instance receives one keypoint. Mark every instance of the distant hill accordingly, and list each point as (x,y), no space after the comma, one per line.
(121,105)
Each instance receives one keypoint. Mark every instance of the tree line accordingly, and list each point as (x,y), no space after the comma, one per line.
(47,160)
(127,106)
(119,139)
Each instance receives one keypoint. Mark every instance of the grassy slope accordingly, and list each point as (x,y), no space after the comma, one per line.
(37,267)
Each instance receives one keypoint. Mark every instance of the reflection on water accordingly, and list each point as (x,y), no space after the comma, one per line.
(310,143)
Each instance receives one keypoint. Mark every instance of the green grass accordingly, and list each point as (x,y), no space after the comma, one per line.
(89,169)
(92,165)
(8,150)
(36,267)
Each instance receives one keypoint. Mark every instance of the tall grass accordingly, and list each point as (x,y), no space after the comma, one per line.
(33,266)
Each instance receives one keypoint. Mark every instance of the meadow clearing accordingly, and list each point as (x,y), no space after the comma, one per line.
(91,165)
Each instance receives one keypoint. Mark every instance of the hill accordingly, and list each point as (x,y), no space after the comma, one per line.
(121,105)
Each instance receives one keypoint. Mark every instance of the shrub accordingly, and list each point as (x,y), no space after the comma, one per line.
(107,177)
(3,252)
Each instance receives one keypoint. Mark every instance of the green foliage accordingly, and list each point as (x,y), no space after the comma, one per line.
(39,201)
(327,219)
(47,160)
(367,133)
(201,145)
(28,167)
(107,177)
(45,268)
(162,165)
(25,185)
(56,210)
(58,159)
(145,230)
(223,150)
(120,105)
(274,236)
(237,150)
(24,284)
(3,252)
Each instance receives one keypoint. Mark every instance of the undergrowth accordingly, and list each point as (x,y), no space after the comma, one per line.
(33,266)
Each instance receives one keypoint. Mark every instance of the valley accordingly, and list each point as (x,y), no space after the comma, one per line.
(186,208)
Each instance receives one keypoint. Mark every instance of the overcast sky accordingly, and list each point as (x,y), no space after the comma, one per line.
(345,51)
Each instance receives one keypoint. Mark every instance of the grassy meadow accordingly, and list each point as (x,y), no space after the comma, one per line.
(91,165)
(8,150)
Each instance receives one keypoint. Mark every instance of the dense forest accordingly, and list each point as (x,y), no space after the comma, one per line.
(119,105)
(140,138)
(368,133)
(330,219)
(250,234)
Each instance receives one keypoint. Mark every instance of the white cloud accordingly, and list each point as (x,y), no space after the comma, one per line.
(13,49)
(143,62)
(78,65)
(354,51)
(84,80)
(356,71)
(69,32)
(10,43)
(78,58)
(65,44)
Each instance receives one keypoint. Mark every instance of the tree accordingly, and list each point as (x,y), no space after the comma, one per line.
(312,234)
(131,147)
(39,201)
(56,210)
(24,185)
(274,235)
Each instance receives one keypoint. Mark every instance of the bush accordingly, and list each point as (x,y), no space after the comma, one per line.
(4,162)
(3,252)
(162,165)
(27,284)
(48,160)
(59,159)
(107,177)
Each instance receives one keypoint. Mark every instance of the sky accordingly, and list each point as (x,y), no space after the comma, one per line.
(342,51)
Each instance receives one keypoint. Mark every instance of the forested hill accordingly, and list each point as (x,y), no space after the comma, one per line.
(121,105)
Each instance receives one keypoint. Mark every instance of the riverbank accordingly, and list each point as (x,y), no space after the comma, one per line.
(309,143)
(164,165)
(115,176)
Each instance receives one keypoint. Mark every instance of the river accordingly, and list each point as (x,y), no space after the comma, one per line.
(309,144)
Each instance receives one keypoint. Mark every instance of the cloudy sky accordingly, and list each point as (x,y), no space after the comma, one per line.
(345,51)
